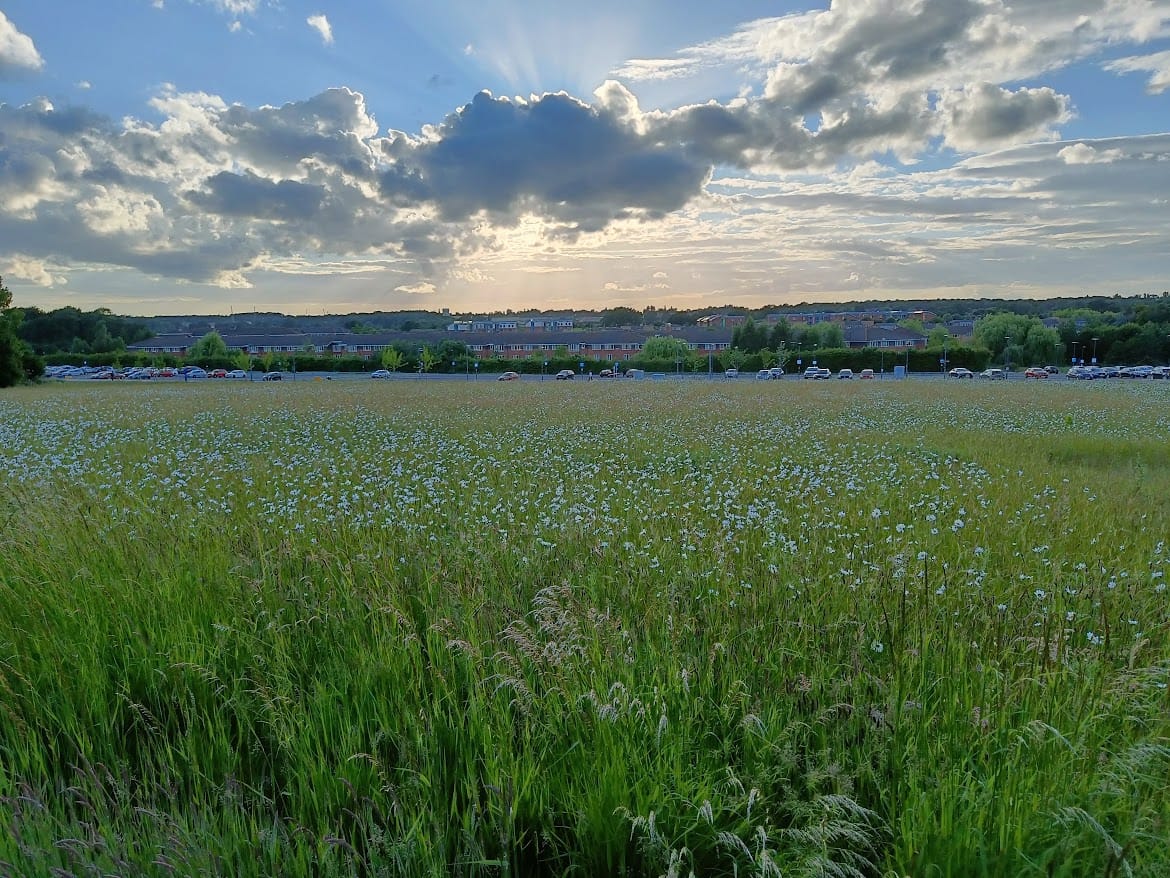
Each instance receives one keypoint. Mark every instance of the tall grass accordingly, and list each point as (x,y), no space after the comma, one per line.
(639,629)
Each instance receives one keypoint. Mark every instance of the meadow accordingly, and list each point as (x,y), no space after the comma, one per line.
(565,629)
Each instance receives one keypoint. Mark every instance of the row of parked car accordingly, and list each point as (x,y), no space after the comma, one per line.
(143,373)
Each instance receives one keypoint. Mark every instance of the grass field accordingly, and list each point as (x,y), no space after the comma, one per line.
(645,629)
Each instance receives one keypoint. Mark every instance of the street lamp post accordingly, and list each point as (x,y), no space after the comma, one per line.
(1075,345)
(1095,340)
(1007,341)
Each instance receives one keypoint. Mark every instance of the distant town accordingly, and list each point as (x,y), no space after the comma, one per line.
(1064,330)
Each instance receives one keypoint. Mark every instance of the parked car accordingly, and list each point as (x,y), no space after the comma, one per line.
(195,372)
(1035,372)
(565,375)
(846,374)
(763,375)
(638,373)
(508,376)
(237,375)
(605,373)
(776,373)
(960,372)
(273,376)
(1051,370)
(866,375)
(994,374)
(731,373)
(382,373)
(811,372)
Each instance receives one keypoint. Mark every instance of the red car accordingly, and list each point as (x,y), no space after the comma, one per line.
(1035,372)
(218,373)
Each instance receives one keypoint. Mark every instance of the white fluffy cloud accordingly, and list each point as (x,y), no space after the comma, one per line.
(1157,65)
(321,25)
(18,53)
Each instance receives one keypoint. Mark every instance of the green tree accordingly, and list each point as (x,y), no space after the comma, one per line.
(781,335)
(211,345)
(1017,338)
(665,347)
(427,359)
(938,337)
(620,317)
(17,361)
(750,337)
(733,358)
(392,359)
(823,335)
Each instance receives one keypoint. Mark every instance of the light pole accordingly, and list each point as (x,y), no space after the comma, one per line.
(1095,340)
(1075,345)
(1007,340)
(420,363)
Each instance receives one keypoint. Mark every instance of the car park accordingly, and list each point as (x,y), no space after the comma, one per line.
(565,375)
(960,372)
(508,376)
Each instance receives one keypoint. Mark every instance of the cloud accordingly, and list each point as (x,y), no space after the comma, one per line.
(18,54)
(983,116)
(32,271)
(578,166)
(234,8)
(1083,154)
(1157,65)
(868,77)
(321,25)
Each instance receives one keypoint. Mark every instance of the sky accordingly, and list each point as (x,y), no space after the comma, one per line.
(224,156)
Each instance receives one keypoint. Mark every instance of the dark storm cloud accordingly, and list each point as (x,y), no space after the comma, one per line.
(253,196)
(554,156)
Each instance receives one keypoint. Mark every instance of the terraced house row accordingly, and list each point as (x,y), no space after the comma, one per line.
(598,344)
(602,344)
